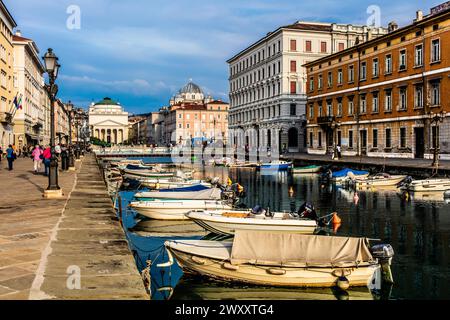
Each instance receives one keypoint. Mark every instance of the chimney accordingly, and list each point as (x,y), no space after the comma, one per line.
(392,26)
(419,15)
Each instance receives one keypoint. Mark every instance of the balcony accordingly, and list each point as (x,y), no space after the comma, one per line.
(5,117)
(325,121)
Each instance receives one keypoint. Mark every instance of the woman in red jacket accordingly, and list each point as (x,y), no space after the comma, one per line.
(47,156)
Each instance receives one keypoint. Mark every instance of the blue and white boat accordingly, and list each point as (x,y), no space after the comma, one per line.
(344,174)
(276,166)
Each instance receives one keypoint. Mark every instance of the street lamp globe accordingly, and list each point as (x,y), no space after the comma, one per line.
(51,62)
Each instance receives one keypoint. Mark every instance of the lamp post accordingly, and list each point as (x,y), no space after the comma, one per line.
(70,109)
(436,119)
(52,67)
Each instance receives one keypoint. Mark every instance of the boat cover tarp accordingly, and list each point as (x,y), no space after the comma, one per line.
(196,187)
(296,250)
(345,172)
(207,194)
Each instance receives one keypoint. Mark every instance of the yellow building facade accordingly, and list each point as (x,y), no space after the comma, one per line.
(7,93)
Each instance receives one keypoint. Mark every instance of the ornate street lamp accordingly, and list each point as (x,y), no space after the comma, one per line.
(436,119)
(52,68)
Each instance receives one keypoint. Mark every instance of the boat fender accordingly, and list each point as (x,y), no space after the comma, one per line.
(343,283)
(198,260)
(336,220)
(276,271)
(229,266)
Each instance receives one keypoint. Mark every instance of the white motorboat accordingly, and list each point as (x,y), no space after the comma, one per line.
(175,209)
(286,260)
(276,165)
(207,194)
(427,185)
(227,222)
(146,173)
(378,180)
(306,170)
(173,183)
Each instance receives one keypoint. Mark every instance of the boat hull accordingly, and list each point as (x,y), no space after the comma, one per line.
(261,275)
(306,170)
(387,182)
(228,226)
(428,185)
(175,210)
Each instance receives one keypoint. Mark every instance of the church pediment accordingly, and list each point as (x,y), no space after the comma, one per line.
(109,122)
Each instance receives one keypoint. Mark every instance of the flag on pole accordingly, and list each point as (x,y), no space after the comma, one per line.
(18,102)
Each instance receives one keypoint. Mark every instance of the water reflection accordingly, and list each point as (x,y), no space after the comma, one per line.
(417,227)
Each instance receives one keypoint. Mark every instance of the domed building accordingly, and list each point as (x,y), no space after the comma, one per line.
(108,121)
(190,94)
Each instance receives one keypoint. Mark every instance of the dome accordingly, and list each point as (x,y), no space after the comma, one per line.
(191,88)
(107,102)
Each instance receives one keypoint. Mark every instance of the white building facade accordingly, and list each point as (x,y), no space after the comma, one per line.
(268,83)
(30,120)
(108,121)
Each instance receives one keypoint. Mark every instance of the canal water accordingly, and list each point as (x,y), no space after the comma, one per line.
(418,228)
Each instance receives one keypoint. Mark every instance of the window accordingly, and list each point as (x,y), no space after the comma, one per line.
(402,137)
(293,109)
(311,84)
(388,64)
(330,79)
(402,99)
(323,47)
(341,46)
(293,87)
(375,68)
(311,111)
(375,106)
(329,109)
(418,56)
(363,105)
(435,50)
(308,46)
(311,139)
(320,110)
(363,73)
(319,84)
(351,73)
(388,101)
(402,60)
(340,76)
(350,139)
(293,45)
(375,138)
(435,137)
(388,138)
(320,139)
(294,66)
(435,93)
(418,97)
(351,107)
(339,109)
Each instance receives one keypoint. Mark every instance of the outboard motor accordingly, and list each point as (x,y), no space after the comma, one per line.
(384,253)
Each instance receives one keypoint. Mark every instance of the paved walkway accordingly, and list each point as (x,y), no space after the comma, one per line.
(46,244)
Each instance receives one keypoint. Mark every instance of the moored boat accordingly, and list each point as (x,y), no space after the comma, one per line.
(173,183)
(207,194)
(378,180)
(175,209)
(427,185)
(276,166)
(306,170)
(227,222)
(345,174)
(285,260)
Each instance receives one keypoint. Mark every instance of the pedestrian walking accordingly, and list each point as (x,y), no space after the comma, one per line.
(38,157)
(339,152)
(47,160)
(64,158)
(10,156)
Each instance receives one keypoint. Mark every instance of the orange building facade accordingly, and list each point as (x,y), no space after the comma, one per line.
(388,97)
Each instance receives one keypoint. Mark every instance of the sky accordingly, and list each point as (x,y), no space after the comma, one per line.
(141,52)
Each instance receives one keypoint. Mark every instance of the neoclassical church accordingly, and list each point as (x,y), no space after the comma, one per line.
(190,94)
(108,121)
